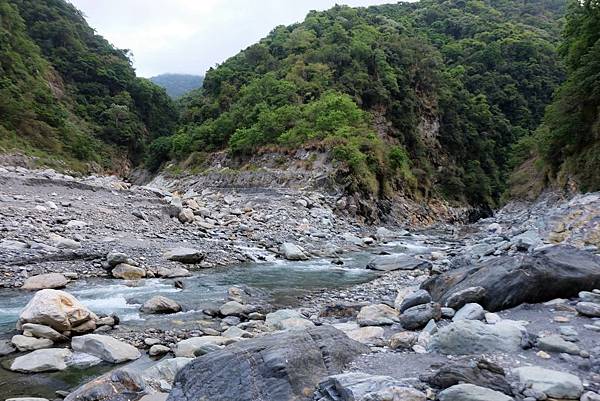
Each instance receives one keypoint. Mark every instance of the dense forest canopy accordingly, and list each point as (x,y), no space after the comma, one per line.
(66,92)
(568,141)
(439,97)
(178,85)
(415,96)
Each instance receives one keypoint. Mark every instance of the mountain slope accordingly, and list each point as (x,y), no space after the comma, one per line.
(67,95)
(424,98)
(566,147)
(178,85)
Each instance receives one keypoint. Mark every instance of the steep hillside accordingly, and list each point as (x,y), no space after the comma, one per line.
(178,85)
(566,148)
(67,95)
(423,98)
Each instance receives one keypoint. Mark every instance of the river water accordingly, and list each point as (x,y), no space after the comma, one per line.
(281,282)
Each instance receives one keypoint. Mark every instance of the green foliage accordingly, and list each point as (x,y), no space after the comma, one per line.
(569,139)
(362,82)
(66,91)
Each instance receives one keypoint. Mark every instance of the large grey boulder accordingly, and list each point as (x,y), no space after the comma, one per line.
(469,312)
(195,346)
(470,392)
(281,318)
(42,360)
(42,281)
(458,299)
(554,384)
(106,348)
(292,252)
(284,366)
(24,343)
(56,309)
(474,337)
(418,316)
(555,343)
(125,271)
(41,331)
(160,304)
(397,262)
(415,298)
(185,255)
(377,315)
(117,385)
(589,309)
(554,272)
(358,386)
(164,372)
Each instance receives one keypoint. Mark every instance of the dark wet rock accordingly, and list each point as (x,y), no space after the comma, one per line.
(397,262)
(418,316)
(118,385)
(469,295)
(279,367)
(6,347)
(480,372)
(554,272)
(358,386)
(418,297)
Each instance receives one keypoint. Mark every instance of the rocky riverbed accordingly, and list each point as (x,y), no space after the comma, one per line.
(123,293)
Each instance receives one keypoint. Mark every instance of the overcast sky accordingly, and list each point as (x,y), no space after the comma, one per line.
(189,36)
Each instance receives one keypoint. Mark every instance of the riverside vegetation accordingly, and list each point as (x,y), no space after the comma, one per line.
(307,224)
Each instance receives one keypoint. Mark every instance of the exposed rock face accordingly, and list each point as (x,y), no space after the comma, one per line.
(397,262)
(469,392)
(185,255)
(474,337)
(160,304)
(280,367)
(42,360)
(56,309)
(554,384)
(106,348)
(42,281)
(118,385)
(555,272)
(364,387)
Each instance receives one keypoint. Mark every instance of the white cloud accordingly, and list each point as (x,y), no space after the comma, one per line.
(189,36)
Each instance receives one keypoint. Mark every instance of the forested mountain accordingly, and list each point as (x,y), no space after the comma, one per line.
(67,94)
(423,97)
(568,142)
(178,85)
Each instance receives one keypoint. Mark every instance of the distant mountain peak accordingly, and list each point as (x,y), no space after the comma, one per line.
(178,85)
